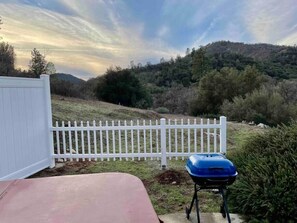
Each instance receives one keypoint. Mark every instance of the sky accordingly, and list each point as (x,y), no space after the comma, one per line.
(85,37)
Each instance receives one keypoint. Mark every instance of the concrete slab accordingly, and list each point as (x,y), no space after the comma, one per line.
(204,218)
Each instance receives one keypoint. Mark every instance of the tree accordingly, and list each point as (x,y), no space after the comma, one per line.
(50,68)
(122,87)
(188,51)
(0,25)
(217,86)
(7,59)
(38,63)
(200,64)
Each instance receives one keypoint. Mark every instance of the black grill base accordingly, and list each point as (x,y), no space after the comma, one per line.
(223,209)
(213,182)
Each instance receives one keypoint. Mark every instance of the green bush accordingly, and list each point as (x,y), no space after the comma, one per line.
(265,105)
(162,110)
(120,86)
(266,186)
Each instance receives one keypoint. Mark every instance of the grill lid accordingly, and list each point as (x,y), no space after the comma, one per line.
(210,165)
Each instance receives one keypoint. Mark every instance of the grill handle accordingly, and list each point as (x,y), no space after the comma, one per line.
(215,168)
(218,180)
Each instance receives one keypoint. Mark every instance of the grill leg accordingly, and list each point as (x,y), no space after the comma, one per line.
(224,207)
(195,199)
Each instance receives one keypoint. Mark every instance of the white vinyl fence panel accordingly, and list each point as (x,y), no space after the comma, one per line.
(25,137)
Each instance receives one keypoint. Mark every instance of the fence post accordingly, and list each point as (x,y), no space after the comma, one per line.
(223,134)
(47,92)
(163,143)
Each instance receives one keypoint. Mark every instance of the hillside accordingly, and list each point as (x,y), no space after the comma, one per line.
(74,109)
(67,77)
(258,51)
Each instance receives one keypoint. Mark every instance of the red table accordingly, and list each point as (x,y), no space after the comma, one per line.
(100,198)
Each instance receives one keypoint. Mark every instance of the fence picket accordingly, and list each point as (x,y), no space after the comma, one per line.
(182,140)
(208,138)
(195,136)
(89,139)
(101,140)
(126,140)
(157,139)
(175,137)
(113,139)
(95,139)
(169,138)
(70,140)
(64,140)
(189,139)
(107,141)
(201,136)
(58,139)
(82,140)
(138,139)
(132,142)
(215,137)
(76,140)
(151,139)
(144,139)
(120,140)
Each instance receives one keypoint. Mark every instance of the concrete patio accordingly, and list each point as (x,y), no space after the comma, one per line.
(204,218)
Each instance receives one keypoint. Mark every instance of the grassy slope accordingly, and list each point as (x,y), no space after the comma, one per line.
(71,109)
(169,190)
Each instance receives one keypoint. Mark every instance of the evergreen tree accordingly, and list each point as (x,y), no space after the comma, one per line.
(38,63)
(7,59)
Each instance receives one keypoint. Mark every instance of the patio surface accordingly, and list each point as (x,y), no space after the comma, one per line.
(90,198)
(204,218)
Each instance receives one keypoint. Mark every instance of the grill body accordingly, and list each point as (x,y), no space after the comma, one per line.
(211,170)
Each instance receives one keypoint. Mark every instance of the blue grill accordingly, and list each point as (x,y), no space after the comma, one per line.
(210,171)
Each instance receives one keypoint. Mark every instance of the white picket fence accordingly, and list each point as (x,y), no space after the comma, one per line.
(159,139)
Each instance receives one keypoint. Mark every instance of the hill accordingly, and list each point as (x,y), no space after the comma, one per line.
(67,77)
(74,109)
(258,51)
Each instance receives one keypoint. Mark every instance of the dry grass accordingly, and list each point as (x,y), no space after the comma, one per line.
(71,109)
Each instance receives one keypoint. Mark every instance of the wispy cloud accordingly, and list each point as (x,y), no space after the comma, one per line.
(74,41)
(271,21)
(201,39)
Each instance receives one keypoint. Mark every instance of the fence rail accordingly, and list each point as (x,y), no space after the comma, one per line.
(159,139)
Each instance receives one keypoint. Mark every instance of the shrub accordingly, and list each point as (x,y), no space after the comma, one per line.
(162,110)
(122,87)
(217,86)
(266,185)
(264,105)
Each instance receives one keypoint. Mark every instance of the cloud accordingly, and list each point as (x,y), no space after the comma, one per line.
(78,42)
(270,21)
(201,39)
